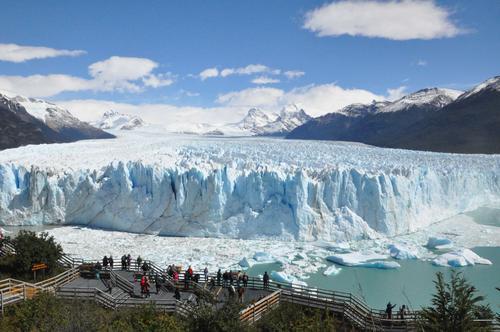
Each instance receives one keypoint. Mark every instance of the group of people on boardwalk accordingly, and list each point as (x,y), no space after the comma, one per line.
(401,312)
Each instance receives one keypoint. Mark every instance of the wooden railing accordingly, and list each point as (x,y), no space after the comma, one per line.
(257,310)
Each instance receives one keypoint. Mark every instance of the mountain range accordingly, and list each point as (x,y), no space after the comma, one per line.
(435,119)
(33,121)
(118,121)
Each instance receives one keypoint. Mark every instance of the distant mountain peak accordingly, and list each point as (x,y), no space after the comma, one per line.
(490,84)
(119,121)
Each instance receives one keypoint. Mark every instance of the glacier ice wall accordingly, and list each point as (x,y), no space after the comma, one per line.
(343,203)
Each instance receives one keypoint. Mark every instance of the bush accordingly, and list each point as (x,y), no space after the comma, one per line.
(31,249)
(455,306)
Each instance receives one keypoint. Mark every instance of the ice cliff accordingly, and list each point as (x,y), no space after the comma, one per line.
(241,188)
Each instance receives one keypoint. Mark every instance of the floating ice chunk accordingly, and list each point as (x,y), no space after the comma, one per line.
(342,247)
(263,257)
(354,258)
(244,262)
(461,257)
(399,251)
(332,271)
(435,242)
(384,265)
(280,276)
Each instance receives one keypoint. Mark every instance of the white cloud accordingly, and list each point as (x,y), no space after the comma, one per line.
(252,97)
(44,85)
(17,53)
(113,74)
(421,63)
(265,80)
(291,74)
(395,19)
(208,73)
(396,93)
(315,99)
(157,81)
(248,70)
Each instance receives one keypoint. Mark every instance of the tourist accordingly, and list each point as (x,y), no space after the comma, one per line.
(186,279)
(225,278)
(97,268)
(111,262)
(190,271)
(241,291)
(105,262)
(139,262)
(145,267)
(129,261)
(388,310)
(205,272)
(219,276)
(245,280)
(143,284)
(124,262)
(177,294)
(170,270)
(175,276)
(266,280)
(211,283)
(230,277)
(402,312)
(157,283)
(146,287)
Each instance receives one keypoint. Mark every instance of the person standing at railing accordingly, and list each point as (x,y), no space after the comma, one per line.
(129,261)
(402,312)
(245,279)
(124,262)
(219,276)
(186,279)
(97,269)
(111,262)
(205,272)
(266,280)
(388,310)
(105,262)
(139,262)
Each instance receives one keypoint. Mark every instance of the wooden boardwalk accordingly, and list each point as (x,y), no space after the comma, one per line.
(125,292)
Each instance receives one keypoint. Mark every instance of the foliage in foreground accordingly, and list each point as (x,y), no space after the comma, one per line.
(455,306)
(293,317)
(31,249)
(47,313)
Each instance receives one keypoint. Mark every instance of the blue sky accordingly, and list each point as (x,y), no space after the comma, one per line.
(451,44)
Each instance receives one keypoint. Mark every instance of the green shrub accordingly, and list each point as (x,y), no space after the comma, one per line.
(455,306)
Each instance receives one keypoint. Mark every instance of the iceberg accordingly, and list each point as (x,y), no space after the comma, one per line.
(399,251)
(359,259)
(263,258)
(244,263)
(240,188)
(332,271)
(435,242)
(280,276)
(459,258)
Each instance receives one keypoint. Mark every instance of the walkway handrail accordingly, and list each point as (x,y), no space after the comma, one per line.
(258,309)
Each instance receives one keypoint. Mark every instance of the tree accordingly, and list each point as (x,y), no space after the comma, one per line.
(455,306)
(32,248)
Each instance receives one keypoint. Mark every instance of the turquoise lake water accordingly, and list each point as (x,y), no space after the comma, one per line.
(412,284)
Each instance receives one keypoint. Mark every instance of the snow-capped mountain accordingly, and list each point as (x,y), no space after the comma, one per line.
(118,121)
(430,119)
(435,98)
(255,119)
(260,123)
(44,122)
(492,84)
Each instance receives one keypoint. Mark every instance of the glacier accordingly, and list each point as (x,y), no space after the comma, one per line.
(243,188)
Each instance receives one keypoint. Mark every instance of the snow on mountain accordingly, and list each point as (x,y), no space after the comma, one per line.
(52,123)
(241,187)
(491,84)
(257,122)
(256,119)
(433,97)
(119,121)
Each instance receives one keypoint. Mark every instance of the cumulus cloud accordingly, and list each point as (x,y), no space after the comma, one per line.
(265,80)
(396,93)
(208,73)
(291,74)
(315,99)
(114,74)
(18,53)
(395,19)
